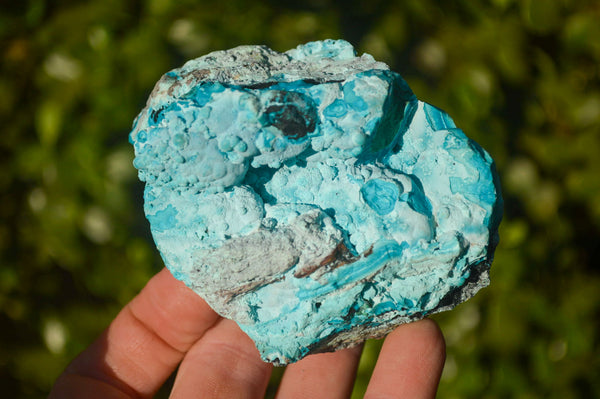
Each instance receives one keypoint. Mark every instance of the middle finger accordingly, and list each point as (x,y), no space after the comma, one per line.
(224,363)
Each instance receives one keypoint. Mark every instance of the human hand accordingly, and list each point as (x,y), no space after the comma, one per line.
(167,325)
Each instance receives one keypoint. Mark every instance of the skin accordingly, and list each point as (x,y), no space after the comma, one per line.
(168,326)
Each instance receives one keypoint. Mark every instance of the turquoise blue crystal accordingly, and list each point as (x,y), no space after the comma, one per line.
(311,197)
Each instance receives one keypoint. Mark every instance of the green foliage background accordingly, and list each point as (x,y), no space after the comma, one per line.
(520,77)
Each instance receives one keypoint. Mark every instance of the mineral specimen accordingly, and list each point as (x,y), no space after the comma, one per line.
(310,197)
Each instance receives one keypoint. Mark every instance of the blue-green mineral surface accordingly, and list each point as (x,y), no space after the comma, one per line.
(311,197)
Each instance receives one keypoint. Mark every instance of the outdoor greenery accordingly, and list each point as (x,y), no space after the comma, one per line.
(522,78)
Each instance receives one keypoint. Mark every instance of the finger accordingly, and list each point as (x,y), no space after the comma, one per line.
(79,386)
(143,345)
(410,362)
(223,364)
(324,375)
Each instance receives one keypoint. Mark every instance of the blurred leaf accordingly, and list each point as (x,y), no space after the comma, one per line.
(541,16)
(49,122)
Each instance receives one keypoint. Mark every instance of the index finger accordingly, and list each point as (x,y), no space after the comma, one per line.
(142,346)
